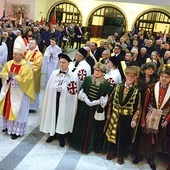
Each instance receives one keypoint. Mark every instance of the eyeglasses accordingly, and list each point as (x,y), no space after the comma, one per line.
(104,54)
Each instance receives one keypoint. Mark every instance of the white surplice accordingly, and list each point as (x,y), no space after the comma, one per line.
(50,60)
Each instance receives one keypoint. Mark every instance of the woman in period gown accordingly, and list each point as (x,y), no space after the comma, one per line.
(88,132)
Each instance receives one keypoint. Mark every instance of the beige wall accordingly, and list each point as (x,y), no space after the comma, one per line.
(86,7)
(41,7)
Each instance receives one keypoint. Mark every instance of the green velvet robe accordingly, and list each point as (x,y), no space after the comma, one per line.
(119,130)
(88,133)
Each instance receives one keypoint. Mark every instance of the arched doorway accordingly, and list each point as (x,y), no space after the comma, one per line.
(66,12)
(105,21)
(153,20)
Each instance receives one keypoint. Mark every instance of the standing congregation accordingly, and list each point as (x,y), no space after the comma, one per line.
(110,98)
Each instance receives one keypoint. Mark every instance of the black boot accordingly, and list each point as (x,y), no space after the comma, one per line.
(120,160)
(62,140)
(51,138)
(14,136)
(151,163)
(111,155)
(4,130)
(138,159)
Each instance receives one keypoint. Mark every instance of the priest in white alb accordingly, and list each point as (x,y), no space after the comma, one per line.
(50,59)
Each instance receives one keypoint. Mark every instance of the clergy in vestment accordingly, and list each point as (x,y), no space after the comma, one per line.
(60,102)
(17,92)
(50,59)
(34,57)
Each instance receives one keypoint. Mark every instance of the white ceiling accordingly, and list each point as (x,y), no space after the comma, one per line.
(151,2)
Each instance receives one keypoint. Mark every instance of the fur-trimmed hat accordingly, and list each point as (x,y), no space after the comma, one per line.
(165,69)
(148,65)
(100,66)
(135,70)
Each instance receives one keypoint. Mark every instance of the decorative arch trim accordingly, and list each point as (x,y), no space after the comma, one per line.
(62,2)
(103,6)
(150,10)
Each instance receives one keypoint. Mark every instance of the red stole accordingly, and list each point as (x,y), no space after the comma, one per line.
(33,55)
(25,53)
(15,68)
(7,106)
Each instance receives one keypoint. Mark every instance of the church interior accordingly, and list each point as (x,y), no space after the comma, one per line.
(100,18)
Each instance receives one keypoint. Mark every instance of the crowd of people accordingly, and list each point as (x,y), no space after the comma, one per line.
(66,34)
(111,98)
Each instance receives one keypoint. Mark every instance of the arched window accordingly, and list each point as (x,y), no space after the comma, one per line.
(154,21)
(66,12)
(105,21)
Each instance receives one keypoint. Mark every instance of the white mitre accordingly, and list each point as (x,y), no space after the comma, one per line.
(19,45)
